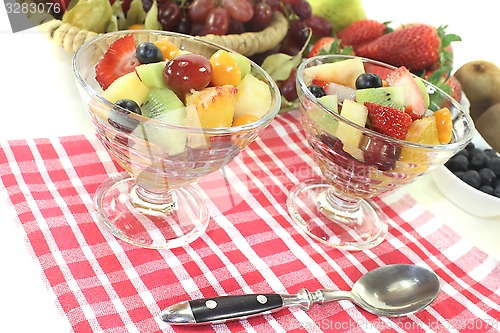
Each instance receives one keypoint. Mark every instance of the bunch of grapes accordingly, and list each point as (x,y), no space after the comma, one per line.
(222,17)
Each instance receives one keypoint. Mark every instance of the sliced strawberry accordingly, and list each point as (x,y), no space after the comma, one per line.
(414,100)
(388,120)
(118,60)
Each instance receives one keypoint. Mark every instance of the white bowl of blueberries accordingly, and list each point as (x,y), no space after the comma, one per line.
(471,179)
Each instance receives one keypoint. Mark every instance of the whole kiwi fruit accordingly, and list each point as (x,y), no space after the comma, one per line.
(488,125)
(480,80)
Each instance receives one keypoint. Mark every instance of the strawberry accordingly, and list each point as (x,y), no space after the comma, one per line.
(388,120)
(448,83)
(118,60)
(329,45)
(414,99)
(361,32)
(416,47)
(323,44)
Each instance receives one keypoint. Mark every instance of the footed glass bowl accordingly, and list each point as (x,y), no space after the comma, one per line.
(337,209)
(153,205)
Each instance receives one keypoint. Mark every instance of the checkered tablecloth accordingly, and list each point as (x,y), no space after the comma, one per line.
(251,245)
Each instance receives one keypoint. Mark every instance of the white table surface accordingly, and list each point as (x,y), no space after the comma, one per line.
(39,99)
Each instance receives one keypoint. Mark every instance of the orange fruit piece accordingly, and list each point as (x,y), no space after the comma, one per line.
(245,119)
(136,26)
(423,131)
(167,48)
(444,125)
(225,69)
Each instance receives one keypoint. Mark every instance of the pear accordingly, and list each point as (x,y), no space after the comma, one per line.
(488,124)
(340,13)
(480,82)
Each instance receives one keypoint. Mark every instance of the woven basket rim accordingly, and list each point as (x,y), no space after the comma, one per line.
(70,37)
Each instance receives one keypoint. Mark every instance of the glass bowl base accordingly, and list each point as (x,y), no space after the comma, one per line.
(154,226)
(347,229)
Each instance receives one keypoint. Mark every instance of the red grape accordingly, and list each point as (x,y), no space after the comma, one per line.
(302,8)
(198,9)
(274,4)
(320,26)
(299,31)
(217,22)
(186,72)
(169,15)
(184,25)
(288,88)
(236,27)
(240,10)
(262,16)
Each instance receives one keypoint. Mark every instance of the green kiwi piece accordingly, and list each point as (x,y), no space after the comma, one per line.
(164,105)
(388,96)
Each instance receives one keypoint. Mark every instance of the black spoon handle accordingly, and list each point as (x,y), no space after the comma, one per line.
(231,307)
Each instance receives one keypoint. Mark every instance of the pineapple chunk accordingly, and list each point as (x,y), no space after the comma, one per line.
(254,97)
(351,137)
(128,86)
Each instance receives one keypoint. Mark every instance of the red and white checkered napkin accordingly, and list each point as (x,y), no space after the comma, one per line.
(105,285)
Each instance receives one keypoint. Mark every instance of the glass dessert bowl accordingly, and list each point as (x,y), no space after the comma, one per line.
(172,135)
(358,149)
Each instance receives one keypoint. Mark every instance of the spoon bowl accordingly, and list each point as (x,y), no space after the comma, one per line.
(392,290)
(396,290)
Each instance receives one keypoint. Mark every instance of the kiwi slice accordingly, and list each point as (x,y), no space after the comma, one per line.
(388,96)
(164,105)
(160,100)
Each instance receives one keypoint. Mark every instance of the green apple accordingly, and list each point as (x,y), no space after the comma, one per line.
(243,63)
(340,13)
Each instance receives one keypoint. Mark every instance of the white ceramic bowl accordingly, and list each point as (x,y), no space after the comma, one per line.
(463,195)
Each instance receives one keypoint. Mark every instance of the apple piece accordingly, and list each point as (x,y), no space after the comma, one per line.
(128,86)
(151,74)
(254,97)
(342,72)
(243,63)
(323,120)
(342,92)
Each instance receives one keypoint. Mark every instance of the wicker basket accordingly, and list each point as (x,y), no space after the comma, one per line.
(248,43)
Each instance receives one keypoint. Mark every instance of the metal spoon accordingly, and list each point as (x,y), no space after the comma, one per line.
(392,290)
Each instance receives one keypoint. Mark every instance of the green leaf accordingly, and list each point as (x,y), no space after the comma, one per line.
(280,65)
(135,13)
(151,20)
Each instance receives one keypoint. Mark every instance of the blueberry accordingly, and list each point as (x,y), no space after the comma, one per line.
(368,80)
(487,177)
(129,105)
(472,178)
(458,163)
(496,192)
(494,165)
(478,159)
(464,152)
(317,91)
(148,53)
(119,118)
(491,152)
(487,189)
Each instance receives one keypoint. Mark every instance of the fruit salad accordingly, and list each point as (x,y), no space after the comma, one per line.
(159,80)
(391,102)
